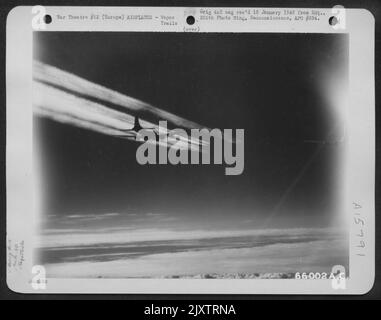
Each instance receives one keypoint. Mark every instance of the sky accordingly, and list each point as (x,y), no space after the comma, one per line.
(270,85)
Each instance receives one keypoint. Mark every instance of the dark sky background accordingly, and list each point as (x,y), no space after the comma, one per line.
(267,84)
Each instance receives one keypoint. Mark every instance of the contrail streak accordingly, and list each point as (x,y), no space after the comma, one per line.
(67,98)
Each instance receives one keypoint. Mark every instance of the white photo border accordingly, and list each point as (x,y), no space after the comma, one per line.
(359,178)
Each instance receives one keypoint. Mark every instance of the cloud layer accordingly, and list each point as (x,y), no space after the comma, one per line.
(160,253)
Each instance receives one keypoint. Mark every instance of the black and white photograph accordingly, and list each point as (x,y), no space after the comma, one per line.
(166,147)
(106,215)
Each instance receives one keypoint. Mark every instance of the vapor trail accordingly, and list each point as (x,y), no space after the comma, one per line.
(67,98)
